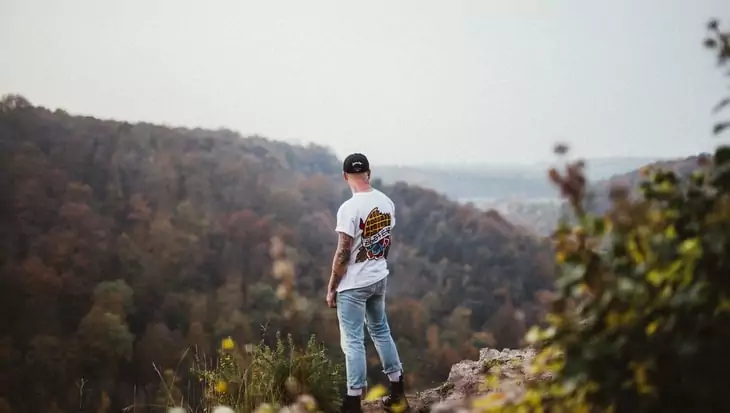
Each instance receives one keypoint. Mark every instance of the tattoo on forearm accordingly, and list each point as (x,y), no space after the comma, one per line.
(341,258)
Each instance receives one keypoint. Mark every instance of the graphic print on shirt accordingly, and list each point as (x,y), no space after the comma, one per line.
(375,236)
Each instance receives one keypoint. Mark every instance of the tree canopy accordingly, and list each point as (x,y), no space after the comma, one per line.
(126,244)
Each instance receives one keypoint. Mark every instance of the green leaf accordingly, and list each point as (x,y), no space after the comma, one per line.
(721,105)
(722,154)
(655,277)
(571,274)
(690,247)
(720,127)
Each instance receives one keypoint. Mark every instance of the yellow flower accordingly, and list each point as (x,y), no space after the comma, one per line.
(532,398)
(375,393)
(613,320)
(533,335)
(641,378)
(655,216)
(690,247)
(664,187)
(221,386)
(399,407)
(670,232)
(488,402)
(228,344)
(265,408)
(308,402)
(651,328)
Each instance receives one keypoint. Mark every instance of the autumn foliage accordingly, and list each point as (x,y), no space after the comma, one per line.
(128,250)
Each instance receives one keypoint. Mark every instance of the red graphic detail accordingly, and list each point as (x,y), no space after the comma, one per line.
(379,249)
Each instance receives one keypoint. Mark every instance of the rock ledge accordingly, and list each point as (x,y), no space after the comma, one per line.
(466,378)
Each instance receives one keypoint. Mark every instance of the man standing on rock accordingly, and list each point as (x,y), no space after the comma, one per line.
(358,283)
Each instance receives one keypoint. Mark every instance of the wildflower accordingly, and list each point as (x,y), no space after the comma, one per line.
(533,335)
(375,393)
(228,344)
(308,402)
(690,247)
(292,385)
(651,328)
(265,408)
(490,401)
(221,386)
(282,292)
(283,269)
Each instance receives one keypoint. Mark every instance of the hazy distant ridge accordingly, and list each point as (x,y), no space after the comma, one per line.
(489,181)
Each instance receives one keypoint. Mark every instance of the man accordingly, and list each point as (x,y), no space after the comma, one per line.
(358,283)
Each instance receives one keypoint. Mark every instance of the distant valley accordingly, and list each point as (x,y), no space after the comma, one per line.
(539,215)
(522,193)
(464,182)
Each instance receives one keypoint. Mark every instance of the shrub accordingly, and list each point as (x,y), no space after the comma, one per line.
(259,375)
(642,318)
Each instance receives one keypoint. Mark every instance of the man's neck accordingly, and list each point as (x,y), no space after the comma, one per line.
(358,189)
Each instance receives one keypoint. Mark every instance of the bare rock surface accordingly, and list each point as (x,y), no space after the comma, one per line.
(466,378)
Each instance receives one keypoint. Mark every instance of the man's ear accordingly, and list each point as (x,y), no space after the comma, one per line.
(368,175)
(344,176)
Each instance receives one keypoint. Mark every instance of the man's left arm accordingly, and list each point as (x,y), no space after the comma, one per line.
(340,260)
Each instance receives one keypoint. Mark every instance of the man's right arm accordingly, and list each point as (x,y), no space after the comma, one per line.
(345,229)
(340,260)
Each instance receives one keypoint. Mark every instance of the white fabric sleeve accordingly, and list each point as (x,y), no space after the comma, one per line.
(345,221)
(392,215)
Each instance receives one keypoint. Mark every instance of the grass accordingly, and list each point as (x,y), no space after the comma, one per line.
(269,377)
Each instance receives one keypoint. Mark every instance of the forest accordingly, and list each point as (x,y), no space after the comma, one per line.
(127,249)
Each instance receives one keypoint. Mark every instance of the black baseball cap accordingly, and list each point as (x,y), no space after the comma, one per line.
(356,163)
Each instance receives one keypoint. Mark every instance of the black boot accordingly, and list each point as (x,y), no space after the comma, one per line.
(351,404)
(396,401)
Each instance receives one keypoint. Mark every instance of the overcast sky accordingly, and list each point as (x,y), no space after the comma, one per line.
(404,81)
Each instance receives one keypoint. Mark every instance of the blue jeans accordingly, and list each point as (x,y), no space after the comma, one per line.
(356,309)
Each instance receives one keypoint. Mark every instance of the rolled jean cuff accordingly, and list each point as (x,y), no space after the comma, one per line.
(394,369)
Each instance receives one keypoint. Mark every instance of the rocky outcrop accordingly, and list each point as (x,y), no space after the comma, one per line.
(466,381)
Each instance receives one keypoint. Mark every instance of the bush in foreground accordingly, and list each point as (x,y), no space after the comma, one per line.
(641,323)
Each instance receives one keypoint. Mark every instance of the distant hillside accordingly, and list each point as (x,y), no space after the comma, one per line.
(125,244)
(541,215)
(497,182)
(598,169)
(601,203)
(538,216)
(471,183)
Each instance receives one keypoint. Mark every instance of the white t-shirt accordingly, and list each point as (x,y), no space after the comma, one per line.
(368,217)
